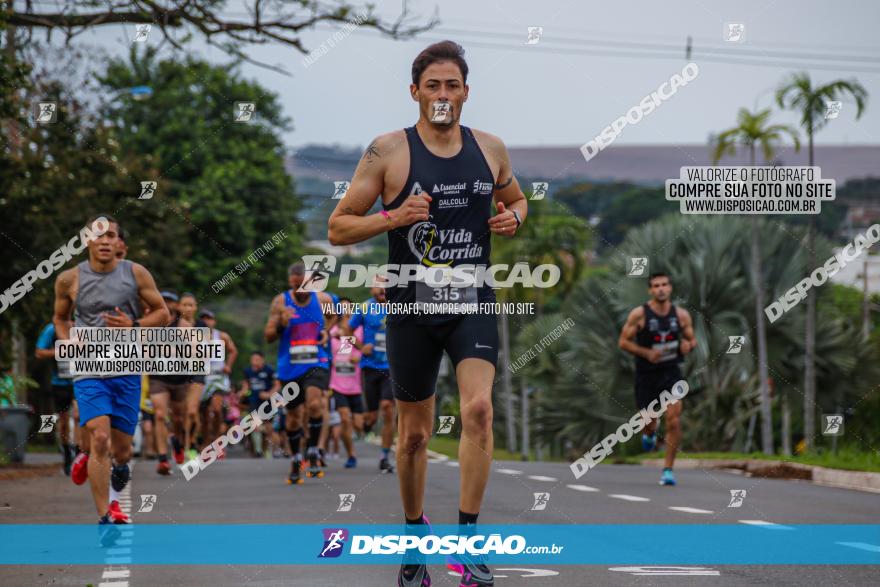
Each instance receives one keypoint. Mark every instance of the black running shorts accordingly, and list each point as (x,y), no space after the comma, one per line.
(415,351)
(355,403)
(62,395)
(315,377)
(377,386)
(649,384)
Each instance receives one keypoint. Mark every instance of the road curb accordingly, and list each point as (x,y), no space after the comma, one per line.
(858,480)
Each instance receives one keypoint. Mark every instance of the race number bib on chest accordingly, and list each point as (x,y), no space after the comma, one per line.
(668,350)
(379,342)
(303,352)
(343,366)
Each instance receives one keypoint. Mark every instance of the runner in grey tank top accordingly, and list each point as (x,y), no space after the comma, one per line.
(105,292)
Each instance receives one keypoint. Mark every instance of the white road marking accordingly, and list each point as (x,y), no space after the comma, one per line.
(666,571)
(116,574)
(625,497)
(688,510)
(509,471)
(765,524)
(861,546)
(451,463)
(542,478)
(115,565)
(582,488)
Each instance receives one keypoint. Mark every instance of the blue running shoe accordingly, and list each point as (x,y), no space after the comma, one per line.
(351,463)
(667,478)
(649,443)
(108,533)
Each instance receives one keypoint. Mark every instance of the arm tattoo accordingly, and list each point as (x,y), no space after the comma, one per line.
(501,186)
(348,210)
(371,152)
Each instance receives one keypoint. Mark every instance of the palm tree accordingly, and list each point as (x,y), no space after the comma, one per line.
(799,94)
(752,132)
(587,381)
(548,237)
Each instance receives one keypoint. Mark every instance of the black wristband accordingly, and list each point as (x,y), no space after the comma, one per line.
(135,323)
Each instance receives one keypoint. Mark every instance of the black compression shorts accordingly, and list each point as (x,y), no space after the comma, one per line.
(315,377)
(377,386)
(355,403)
(415,351)
(649,384)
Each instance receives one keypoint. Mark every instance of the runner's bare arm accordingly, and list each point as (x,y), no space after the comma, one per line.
(231,351)
(329,316)
(628,333)
(63,304)
(147,290)
(687,331)
(508,195)
(349,223)
(276,316)
(44,353)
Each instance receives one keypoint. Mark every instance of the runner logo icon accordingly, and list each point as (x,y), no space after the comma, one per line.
(147,503)
(833,425)
(47,423)
(446,424)
(737,496)
(346,500)
(736,344)
(334,540)
(541,500)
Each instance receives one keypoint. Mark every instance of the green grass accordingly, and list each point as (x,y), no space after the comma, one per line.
(448,445)
(44,448)
(845,459)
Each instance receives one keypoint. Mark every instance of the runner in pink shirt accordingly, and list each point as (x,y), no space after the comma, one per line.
(345,381)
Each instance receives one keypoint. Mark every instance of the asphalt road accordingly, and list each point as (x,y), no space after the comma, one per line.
(252,491)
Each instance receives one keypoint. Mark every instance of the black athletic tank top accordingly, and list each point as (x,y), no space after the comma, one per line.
(172,379)
(457,230)
(663,333)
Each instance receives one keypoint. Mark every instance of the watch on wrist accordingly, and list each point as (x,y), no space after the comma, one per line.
(518,219)
(135,323)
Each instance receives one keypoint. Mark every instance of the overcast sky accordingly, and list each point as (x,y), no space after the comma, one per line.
(553,93)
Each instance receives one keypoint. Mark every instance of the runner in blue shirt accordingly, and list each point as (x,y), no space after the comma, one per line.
(62,396)
(371,315)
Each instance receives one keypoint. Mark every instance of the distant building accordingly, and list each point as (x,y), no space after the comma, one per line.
(643,164)
(852,274)
(859,216)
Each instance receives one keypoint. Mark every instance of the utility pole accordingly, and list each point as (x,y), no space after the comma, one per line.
(866,302)
(524,390)
(507,384)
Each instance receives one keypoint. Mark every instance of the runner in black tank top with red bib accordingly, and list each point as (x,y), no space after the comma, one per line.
(659,334)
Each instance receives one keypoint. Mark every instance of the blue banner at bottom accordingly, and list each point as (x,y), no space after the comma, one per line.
(362,544)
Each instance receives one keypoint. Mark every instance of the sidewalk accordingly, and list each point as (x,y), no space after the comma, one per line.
(859,480)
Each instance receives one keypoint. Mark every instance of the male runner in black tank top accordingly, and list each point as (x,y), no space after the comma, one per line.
(659,334)
(438,181)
